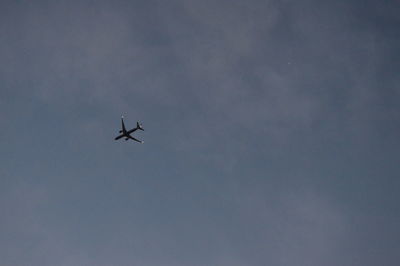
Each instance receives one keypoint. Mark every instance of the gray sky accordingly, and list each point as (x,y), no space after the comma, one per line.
(272,133)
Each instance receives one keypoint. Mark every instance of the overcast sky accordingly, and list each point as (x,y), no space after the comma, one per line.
(271,133)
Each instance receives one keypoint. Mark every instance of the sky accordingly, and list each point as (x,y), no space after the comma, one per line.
(271,133)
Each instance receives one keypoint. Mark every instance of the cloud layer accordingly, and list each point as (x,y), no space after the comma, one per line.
(271,133)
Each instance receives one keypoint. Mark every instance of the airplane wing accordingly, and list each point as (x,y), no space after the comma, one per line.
(123,124)
(135,139)
(120,136)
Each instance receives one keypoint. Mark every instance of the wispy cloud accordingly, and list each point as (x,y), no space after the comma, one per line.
(270,125)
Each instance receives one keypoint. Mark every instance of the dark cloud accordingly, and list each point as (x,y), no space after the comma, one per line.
(271,133)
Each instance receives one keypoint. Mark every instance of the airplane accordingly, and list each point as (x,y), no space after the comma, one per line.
(127,133)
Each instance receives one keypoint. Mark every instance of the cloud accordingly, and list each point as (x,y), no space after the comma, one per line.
(288,227)
(262,119)
(224,64)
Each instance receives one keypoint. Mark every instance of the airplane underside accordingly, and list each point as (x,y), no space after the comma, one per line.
(127,133)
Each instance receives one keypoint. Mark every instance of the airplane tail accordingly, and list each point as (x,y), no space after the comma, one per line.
(139,126)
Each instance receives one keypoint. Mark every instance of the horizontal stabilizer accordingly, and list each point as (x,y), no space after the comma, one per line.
(139,126)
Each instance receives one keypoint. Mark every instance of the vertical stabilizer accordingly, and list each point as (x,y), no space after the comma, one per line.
(139,126)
